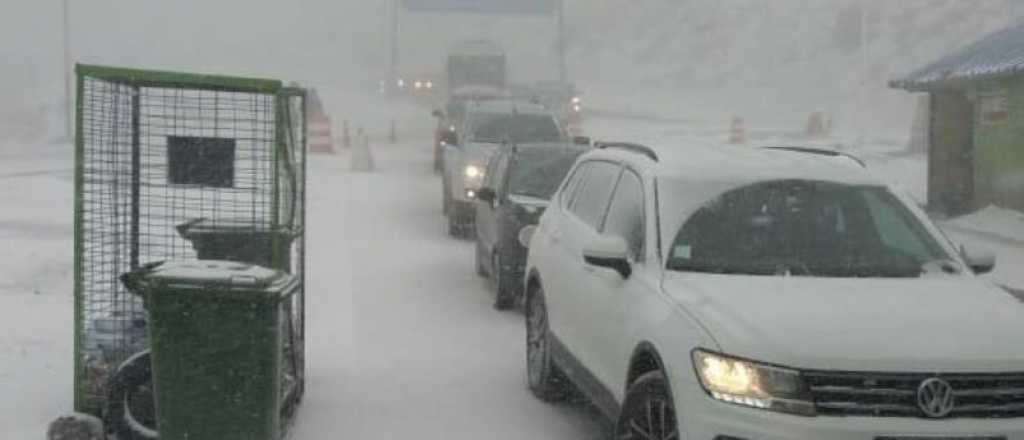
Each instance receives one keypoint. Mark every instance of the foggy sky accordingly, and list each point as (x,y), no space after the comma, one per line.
(753,55)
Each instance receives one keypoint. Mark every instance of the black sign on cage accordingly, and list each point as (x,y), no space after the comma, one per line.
(172,166)
(201,161)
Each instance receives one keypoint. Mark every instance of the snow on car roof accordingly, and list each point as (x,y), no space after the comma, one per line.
(744,164)
(480,92)
(510,106)
(752,164)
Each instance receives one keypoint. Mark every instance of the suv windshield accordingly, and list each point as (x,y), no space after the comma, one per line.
(807,228)
(538,174)
(515,128)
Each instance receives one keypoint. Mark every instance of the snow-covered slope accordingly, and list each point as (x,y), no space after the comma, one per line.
(777,59)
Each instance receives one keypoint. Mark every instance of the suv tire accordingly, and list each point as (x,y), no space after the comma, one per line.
(504,292)
(454,226)
(545,379)
(446,197)
(478,260)
(648,411)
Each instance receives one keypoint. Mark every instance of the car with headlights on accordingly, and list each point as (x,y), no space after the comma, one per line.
(765,294)
(487,125)
(518,184)
(450,119)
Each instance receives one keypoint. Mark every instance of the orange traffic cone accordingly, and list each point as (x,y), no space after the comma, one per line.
(737,133)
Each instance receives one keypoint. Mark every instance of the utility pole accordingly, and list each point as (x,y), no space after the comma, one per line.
(861,137)
(68,112)
(563,74)
(393,59)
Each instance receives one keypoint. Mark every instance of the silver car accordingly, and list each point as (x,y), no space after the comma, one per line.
(486,127)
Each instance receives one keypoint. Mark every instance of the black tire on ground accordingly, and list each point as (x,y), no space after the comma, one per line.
(648,411)
(130,412)
(546,381)
(504,292)
(478,260)
(446,198)
(454,228)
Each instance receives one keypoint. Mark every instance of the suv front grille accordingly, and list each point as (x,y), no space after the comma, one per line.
(895,395)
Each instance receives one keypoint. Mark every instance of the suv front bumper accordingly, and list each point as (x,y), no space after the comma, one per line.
(703,418)
(460,187)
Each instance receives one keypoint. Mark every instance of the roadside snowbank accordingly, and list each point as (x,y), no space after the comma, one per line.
(1005,223)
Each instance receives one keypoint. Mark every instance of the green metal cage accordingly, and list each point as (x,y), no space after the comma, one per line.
(160,159)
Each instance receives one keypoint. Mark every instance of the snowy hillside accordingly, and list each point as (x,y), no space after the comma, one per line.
(779,58)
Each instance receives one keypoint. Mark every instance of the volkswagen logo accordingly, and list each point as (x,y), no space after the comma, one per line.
(935,398)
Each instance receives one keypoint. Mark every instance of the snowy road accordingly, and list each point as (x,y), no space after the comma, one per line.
(403,342)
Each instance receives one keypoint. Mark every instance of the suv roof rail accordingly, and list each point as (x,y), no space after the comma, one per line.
(819,152)
(635,148)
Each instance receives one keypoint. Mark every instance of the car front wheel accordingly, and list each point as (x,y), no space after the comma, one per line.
(446,198)
(545,380)
(478,260)
(648,412)
(505,295)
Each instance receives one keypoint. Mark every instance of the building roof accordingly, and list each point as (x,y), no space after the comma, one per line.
(996,55)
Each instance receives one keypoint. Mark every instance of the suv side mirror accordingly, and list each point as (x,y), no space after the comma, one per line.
(526,235)
(581,140)
(450,138)
(610,253)
(981,261)
(486,195)
(437,114)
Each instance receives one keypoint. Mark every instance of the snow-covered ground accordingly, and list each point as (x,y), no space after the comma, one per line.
(402,339)
(35,288)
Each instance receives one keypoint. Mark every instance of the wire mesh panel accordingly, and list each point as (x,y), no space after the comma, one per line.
(292,169)
(175,166)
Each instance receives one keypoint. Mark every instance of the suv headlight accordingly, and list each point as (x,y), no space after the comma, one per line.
(474,172)
(753,384)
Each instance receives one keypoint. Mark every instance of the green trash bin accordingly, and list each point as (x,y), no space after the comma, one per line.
(216,335)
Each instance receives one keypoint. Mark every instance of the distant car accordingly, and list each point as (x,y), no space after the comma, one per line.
(518,184)
(563,99)
(417,85)
(742,293)
(450,119)
(487,126)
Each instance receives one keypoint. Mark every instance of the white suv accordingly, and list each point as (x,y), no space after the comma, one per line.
(755,294)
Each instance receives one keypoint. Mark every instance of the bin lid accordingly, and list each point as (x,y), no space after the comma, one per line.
(202,226)
(206,273)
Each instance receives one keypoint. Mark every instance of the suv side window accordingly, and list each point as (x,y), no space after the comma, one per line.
(893,230)
(626,214)
(492,167)
(569,192)
(500,170)
(591,201)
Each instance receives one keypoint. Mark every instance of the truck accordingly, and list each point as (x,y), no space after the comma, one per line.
(476,63)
